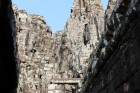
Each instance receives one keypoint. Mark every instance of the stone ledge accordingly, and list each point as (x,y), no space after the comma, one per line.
(67,81)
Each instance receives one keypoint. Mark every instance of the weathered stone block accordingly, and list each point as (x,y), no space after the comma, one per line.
(52,86)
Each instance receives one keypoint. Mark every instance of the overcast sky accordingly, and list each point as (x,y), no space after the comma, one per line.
(55,12)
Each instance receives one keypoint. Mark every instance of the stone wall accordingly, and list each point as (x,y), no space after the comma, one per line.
(45,57)
(117,62)
(34,52)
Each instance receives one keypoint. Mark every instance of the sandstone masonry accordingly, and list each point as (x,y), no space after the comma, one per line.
(89,56)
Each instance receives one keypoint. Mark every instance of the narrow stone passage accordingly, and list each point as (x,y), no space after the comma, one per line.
(97,52)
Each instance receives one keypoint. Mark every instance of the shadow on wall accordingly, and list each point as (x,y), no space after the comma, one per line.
(8,69)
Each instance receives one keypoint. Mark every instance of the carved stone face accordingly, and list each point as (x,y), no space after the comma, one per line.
(64,38)
(22,17)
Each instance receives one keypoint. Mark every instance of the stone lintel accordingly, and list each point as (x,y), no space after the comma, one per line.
(67,81)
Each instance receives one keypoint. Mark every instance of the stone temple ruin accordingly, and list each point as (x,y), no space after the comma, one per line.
(97,52)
